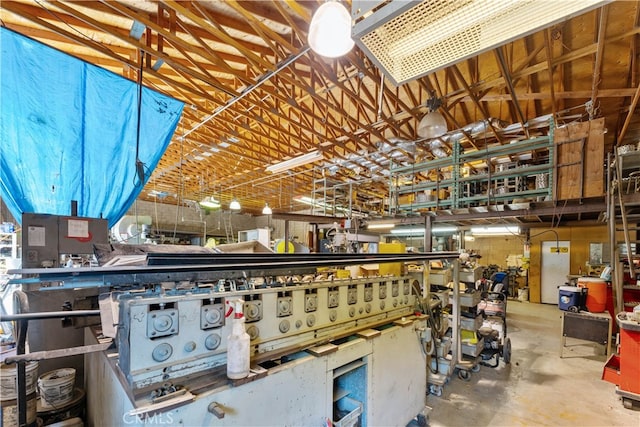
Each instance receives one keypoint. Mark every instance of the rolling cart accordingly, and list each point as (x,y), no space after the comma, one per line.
(493,308)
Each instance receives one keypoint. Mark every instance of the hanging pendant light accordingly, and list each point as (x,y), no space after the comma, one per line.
(433,124)
(330,30)
(234,205)
(266,210)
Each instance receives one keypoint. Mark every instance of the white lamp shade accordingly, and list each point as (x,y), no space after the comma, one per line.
(234,205)
(266,210)
(330,30)
(432,125)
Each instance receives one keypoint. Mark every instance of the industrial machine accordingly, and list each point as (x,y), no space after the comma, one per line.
(317,342)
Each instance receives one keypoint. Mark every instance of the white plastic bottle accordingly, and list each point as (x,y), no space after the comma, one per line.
(237,342)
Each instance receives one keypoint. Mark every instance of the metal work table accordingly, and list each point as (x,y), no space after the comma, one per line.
(583,325)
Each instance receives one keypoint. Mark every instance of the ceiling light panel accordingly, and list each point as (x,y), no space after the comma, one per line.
(409,39)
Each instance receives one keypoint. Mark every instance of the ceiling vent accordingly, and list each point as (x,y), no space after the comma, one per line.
(409,39)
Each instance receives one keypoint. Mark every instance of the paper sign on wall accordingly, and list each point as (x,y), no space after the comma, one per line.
(78,228)
(35,236)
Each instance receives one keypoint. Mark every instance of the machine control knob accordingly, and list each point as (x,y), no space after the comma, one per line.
(217,410)
(253,332)
(189,346)
(162,323)
(352,311)
(333,315)
(212,316)
(162,352)
(284,326)
(382,304)
(212,341)
(311,320)
(367,308)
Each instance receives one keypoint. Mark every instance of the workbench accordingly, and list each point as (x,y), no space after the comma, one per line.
(583,325)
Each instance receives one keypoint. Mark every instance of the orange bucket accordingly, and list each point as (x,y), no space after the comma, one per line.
(596,293)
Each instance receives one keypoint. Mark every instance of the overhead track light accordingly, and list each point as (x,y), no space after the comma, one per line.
(409,39)
(295,162)
(330,30)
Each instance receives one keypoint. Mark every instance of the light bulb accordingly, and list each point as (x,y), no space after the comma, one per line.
(266,210)
(330,30)
(234,205)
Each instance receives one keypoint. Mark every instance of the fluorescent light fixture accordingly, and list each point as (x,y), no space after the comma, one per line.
(443,230)
(235,205)
(496,230)
(409,39)
(416,231)
(330,30)
(224,144)
(266,210)
(210,203)
(295,162)
(381,226)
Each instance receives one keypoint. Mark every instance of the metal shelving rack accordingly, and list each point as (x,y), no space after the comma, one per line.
(489,182)
(623,214)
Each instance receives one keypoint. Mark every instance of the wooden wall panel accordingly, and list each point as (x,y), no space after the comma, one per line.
(579,160)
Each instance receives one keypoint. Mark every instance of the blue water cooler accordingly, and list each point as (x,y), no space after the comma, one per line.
(571,298)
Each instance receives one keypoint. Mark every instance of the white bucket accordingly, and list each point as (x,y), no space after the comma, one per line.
(56,387)
(9,411)
(9,380)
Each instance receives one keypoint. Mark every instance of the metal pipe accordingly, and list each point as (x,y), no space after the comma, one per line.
(248,90)
(48,315)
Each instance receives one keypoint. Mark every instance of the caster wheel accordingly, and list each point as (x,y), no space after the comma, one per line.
(422,420)
(476,368)
(436,390)
(506,351)
(627,403)
(464,375)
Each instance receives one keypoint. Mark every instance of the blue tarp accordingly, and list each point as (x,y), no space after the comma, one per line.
(68,132)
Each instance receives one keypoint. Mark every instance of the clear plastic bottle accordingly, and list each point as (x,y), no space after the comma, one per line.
(237,342)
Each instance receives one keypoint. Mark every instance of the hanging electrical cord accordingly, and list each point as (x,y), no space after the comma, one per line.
(140,166)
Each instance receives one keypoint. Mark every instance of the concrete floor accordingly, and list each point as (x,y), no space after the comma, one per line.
(538,388)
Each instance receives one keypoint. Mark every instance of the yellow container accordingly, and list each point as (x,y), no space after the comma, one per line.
(343,274)
(392,268)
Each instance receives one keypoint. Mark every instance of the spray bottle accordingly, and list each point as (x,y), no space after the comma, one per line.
(237,342)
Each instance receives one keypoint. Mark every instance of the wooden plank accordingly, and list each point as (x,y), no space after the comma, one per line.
(322,350)
(580,168)
(593,164)
(369,333)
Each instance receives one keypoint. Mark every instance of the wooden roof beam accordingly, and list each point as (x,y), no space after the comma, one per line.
(597,66)
(512,91)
